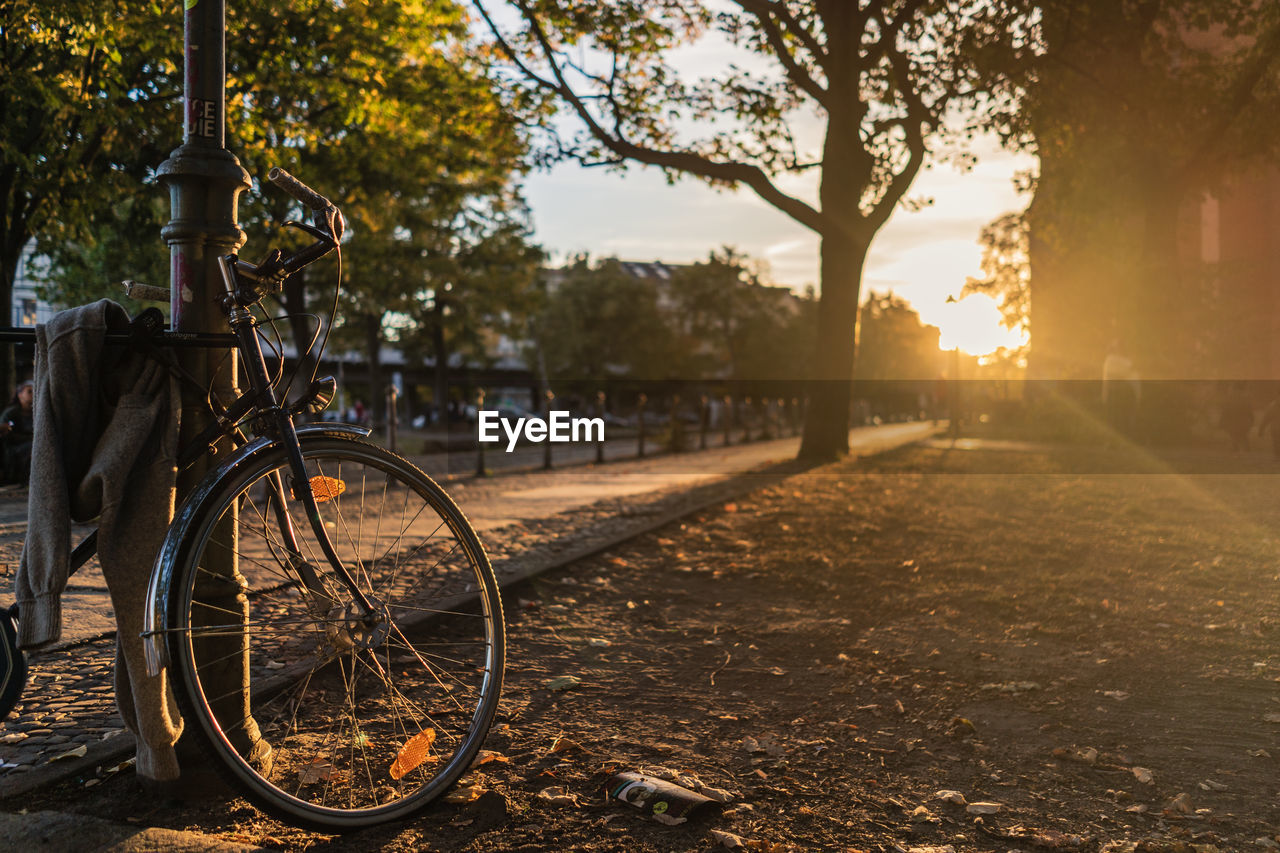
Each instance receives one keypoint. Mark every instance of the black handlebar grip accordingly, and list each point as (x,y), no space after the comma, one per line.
(296,188)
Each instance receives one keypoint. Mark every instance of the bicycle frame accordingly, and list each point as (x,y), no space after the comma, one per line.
(280,424)
(264,409)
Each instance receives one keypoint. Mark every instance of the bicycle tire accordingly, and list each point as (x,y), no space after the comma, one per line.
(364,725)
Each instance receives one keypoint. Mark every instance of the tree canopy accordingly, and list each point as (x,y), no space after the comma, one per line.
(390,108)
(1137,111)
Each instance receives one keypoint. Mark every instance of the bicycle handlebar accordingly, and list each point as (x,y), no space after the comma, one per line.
(300,191)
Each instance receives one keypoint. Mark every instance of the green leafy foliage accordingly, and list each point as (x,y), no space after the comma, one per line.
(893,344)
(389,108)
(741,328)
(1006,269)
(601,322)
(710,321)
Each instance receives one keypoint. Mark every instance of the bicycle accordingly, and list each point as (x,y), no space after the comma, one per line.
(338,590)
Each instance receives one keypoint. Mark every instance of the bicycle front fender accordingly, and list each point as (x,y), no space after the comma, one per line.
(156,618)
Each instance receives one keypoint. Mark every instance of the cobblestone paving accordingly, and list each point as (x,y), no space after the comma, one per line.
(68,703)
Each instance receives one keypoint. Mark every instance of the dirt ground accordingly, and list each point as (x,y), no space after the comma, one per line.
(971,650)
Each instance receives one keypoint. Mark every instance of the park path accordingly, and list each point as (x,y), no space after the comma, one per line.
(529,521)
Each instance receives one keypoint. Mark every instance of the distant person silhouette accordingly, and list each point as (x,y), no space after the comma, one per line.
(1121,391)
(1271,421)
(1237,418)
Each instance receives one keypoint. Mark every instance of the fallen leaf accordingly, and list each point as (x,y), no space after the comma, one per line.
(720,795)
(1143,775)
(727,839)
(921,814)
(982,808)
(563,744)
(318,770)
(562,682)
(74,752)
(558,797)
(1180,804)
(486,756)
(1054,840)
(1118,695)
(955,798)
(464,793)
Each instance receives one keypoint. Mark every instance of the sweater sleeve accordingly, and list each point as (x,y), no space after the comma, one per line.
(68,362)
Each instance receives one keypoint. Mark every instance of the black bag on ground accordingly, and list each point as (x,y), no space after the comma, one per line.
(13,664)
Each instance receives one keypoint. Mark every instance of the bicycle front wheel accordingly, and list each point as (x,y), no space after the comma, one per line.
(321,716)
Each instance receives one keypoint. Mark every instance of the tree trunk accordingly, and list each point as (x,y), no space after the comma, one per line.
(373,349)
(442,364)
(8,273)
(1164,307)
(826,427)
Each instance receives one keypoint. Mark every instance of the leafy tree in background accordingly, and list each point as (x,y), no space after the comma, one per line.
(81,86)
(880,76)
(1006,270)
(1135,110)
(893,344)
(600,322)
(387,107)
(711,321)
(479,281)
(747,329)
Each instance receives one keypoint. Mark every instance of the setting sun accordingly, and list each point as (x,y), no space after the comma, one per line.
(973,325)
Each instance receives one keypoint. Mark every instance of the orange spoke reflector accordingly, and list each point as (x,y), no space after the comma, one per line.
(413,753)
(326,488)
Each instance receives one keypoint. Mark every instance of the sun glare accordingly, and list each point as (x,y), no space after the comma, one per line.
(973,325)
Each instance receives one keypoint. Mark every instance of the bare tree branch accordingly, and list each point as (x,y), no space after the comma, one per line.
(683,161)
(913,125)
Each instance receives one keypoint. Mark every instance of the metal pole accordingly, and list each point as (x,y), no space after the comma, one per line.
(204,181)
(480,469)
(676,434)
(546,413)
(702,422)
(644,398)
(393,418)
(728,420)
(600,414)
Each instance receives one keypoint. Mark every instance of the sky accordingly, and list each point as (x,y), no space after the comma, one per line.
(923,256)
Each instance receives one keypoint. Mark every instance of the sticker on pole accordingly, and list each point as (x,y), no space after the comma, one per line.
(326,488)
(413,753)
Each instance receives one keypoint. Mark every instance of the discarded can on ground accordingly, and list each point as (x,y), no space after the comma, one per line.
(667,802)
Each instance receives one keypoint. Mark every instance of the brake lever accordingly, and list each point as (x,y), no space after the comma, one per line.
(310,229)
